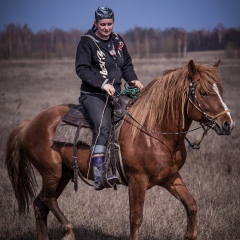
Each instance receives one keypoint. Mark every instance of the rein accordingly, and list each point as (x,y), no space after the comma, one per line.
(147,129)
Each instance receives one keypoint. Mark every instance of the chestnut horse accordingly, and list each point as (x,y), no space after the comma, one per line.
(152,147)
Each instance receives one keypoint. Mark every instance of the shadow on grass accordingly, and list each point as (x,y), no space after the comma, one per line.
(80,233)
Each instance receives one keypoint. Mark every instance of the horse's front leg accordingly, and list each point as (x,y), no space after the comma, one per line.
(177,188)
(137,191)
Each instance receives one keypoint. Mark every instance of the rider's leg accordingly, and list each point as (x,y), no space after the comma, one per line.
(100,113)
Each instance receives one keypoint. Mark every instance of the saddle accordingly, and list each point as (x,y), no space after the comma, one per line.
(77,116)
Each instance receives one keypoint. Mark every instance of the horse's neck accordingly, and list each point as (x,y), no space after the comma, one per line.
(177,132)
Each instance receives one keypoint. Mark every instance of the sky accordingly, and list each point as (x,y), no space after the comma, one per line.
(160,14)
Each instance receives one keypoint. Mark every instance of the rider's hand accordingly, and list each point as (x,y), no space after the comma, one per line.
(109,89)
(137,84)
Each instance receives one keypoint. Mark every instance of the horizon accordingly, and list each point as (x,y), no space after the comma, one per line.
(156,14)
(143,28)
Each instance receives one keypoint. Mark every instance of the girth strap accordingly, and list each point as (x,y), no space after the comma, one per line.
(75,159)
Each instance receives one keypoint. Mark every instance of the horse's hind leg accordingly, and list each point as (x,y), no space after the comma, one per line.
(68,228)
(178,189)
(41,212)
(47,200)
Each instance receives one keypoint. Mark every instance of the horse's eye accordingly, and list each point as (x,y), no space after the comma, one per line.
(204,94)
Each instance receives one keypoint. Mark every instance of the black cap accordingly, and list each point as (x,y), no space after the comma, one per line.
(104,13)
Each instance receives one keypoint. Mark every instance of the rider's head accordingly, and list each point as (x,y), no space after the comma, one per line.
(103,13)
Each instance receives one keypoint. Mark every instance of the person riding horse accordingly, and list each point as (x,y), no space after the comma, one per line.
(102,60)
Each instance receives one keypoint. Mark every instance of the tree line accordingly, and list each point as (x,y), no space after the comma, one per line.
(20,42)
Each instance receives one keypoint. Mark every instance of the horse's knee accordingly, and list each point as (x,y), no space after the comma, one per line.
(136,219)
(191,206)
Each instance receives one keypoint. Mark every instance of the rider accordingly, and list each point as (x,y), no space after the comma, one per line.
(102,60)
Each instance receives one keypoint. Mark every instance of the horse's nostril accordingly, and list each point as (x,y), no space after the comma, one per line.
(226,126)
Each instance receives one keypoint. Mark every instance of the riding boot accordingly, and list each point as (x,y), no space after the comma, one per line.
(101,180)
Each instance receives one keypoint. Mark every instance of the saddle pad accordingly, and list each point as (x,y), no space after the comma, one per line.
(65,133)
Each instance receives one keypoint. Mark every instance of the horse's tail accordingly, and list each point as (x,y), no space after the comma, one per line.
(20,170)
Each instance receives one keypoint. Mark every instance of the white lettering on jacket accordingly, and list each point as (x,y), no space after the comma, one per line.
(101,59)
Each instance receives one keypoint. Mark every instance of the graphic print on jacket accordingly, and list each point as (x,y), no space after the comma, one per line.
(101,59)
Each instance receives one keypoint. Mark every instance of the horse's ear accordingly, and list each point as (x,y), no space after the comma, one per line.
(217,63)
(192,70)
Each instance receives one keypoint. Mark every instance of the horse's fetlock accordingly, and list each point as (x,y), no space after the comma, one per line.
(68,228)
(192,207)
(191,237)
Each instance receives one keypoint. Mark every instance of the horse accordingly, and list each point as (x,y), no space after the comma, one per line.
(152,143)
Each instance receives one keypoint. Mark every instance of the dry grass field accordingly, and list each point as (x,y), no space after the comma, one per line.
(212,173)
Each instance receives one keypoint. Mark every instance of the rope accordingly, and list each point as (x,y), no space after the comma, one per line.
(131,92)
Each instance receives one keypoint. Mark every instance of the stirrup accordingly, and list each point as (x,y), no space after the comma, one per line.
(113,180)
(108,182)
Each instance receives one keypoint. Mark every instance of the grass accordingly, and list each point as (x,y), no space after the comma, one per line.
(211,173)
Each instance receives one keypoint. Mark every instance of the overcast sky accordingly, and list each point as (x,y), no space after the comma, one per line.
(161,14)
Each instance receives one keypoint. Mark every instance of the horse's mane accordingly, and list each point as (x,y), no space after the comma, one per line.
(161,99)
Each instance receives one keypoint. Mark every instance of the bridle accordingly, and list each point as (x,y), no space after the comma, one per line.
(210,120)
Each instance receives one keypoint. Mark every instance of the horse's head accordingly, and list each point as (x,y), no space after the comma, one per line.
(205,98)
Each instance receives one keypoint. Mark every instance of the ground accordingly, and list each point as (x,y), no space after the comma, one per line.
(211,173)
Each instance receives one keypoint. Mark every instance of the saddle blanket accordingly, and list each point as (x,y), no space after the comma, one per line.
(65,133)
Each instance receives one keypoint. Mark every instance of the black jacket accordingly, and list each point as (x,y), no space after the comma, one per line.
(95,65)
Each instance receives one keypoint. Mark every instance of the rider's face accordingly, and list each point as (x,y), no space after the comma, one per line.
(105,27)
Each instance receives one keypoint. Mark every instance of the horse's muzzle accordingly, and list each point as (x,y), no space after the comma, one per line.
(225,128)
